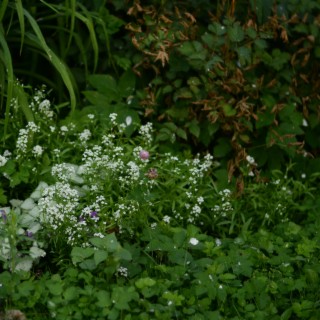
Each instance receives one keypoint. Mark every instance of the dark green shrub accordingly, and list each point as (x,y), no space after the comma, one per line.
(234,80)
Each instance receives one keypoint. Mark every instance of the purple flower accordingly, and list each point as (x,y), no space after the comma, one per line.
(29,234)
(4,215)
(82,219)
(93,214)
(144,155)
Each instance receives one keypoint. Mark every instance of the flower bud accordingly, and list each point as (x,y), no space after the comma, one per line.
(144,155)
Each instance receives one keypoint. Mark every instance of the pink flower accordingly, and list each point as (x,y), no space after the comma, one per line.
(152,173)
(144,155)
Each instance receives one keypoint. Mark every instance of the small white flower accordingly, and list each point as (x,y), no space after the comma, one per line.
(166,219)
(91,116)
(85,135)
(304,123)
(250,159)
(194,241)
(37,151)
(303,175)
(218,242)
(128,120)
(113,117)
(64,129)
(200,200)
(3,161)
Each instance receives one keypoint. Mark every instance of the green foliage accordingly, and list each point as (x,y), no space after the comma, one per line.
(246,72)
(266,275)
(112,224)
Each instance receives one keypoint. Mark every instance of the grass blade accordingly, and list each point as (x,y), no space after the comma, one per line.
(9,69)
(19,9)
(54,59)
(3,8)
(88,22)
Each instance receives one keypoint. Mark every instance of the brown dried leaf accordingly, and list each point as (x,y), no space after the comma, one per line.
(162,56)
(191,17)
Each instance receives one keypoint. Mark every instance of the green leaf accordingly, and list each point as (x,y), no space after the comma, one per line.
(222,148)
(122,296)
(99,256)
(109,242)
(194,128)
(181,133)
(71,293)
(88,265)
(80,254)
(228,110)
(126,85)
(123,254)
(235,33)
(104,300)
(145,282)
(3,197)
(97,99)
(105,84)
(55,286)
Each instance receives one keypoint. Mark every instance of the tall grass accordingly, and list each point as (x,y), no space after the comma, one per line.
(63,35)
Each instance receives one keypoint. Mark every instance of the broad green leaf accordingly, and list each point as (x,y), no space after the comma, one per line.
(106,85)
(55,288)
(122,296)
(88,265)
(103,297)
(123,254)
(194,128)
(97,99)
(145,282)
(99,256)
(109,242)
(222,148)
(71,293)
(181,133)
(126,84)
(80,254)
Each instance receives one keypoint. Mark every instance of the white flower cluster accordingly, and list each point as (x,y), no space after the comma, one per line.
(37,151)
(146,133)
(41,105)
(113,118)
(23,138)
(45,109)
(63,172)
(122,271)
(198,168)
(224,208)
(84,136)
(4,158)
(125,209)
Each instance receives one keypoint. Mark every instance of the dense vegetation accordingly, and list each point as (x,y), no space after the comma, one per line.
(159,159)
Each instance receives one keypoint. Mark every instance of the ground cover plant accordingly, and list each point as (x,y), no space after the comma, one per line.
(180,193)
(111,228)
